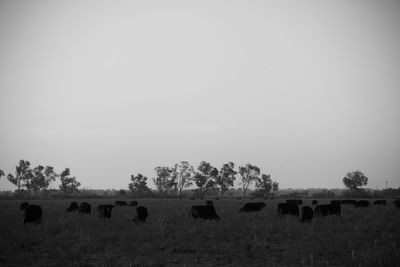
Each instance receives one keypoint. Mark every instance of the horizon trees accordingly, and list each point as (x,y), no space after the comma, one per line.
(249,174)
(68,185)
(265,184)
(139,184)
(353,180)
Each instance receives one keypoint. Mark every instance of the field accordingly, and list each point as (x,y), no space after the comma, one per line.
(360,237)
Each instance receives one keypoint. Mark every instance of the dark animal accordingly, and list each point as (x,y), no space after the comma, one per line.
(251,197)
(24,205)
(307,214)
(217,198)
(314,202)
(121,203)
(205,212)
(133,203)
(253,206)
(335,202)
(348,202)
(84,207)
(362,204)
(288,209)
(192,198)
(397,203)
(141,214)
(327,209)
(33,214)
(294,201)
(209,202)
(104,211)
(380,202)
(73,206)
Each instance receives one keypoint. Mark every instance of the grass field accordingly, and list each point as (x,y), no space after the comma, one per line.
(360,237)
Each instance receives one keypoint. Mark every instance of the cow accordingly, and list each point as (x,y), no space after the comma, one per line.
(141,214)
(397,203)
(348,202)
(121,203)
(33,214)
(362,204)
(380,202)
(288,209)
(84,207)
(307,214)
(73,206)
(335,202)
(192,198)
(327,209)
(314,202)
(209,202)
(133,203)
(294,201)
(217,198)
(104,211)
(24,205)
(252,206)
(205,212)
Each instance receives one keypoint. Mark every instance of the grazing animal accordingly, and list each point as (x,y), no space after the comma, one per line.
(205,212)
(33,214)
(335,202)
(362,204)
(209,202)
(133,203)
(327,209)
(307,214)
(294,201)
(217,198)
(288,209)
(141,214)
(104,211)
(397,203)
(253,206)
(73,206)
(348,202)
(314,202)
(24,205)
(192,198)
(121,203)
(251,197)
(380,202)
(84,207)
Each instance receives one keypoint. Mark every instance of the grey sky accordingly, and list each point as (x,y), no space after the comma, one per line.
(305,90)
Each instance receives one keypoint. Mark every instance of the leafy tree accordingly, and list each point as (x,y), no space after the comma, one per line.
(164,180)
(264,184)
(23,175)
(353,180)
(41,178)
(205,177)
(182,174)
(1,173)
(68,184)
(249,174)
(275,187)
(139,185)
(226,177)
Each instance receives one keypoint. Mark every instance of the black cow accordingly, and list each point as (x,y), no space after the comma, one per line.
(314,202)
(24,205)
(253,206)
(294,201)
(192,198)
(288,209)
(73,206)
(348,202)
(121,203)
(141,214)
(33,214)
(335,202)
(380,202)
(217,198)
(133,203)
(328,209)
(307,214)
(84,207)
(209,202)
(104,211)
(362,204)
(205,212)
(397,203)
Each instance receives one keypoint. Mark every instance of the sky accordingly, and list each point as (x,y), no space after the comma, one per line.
(305,90)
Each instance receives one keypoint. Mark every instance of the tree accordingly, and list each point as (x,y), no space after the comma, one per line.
(275,187)
(164,180)
(1,173)
(182,174)
(68,184)
(205,177)
(355,179)
(226,177)
(23,175)
(41,178)
(249,174)
(139,185)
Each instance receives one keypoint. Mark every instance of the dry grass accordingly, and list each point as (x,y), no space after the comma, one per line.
(360,237)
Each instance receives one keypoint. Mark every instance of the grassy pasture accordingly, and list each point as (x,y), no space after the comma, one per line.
(360,237)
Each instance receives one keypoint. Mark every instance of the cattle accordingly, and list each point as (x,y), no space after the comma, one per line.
(335,202)
(133,203)
(205,212)
(104,211)
(307,214)
(288,209)
(192,198)
(253,206)
(73,206)
(362,204)
(84,207)
(121,203)
(33,214)
(209,202)
(314,202)
(380,202)
(397,203)
(24,205)
(141,214)
(348,202)
(251,197)
(217,198)
(327,209)
(294,201)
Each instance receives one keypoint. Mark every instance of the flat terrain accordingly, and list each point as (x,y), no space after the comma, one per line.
(360,237)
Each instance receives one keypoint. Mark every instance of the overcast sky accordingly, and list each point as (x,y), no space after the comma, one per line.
(305,90)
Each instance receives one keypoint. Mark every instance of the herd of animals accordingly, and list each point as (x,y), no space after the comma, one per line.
(34,213)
